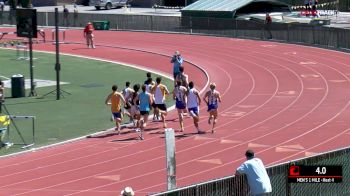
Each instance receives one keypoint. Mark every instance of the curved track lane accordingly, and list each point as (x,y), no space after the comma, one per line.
(283,101)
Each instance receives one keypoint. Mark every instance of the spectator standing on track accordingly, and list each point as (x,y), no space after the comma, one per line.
(179,95)
(182,78)
(127,192)
(193,103)
(88,34)
(160,91)
(177,63)
(212,99)
(146,100)
(254,169)
(114,99)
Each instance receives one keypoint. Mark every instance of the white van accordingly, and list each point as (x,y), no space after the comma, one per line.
(108,4)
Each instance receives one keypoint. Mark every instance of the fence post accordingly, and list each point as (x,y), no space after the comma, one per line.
(47,19)
(288,32)
(190,24)
(313,35)
(152,23)
(337,38)
(170,158)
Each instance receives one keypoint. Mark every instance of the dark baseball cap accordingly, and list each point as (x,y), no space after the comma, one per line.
(249,153)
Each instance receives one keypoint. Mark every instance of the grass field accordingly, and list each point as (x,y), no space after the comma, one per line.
(78,114)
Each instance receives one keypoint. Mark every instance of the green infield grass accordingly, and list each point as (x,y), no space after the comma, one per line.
(80,113)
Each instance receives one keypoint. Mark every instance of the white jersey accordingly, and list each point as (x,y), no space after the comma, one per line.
(149,88)
(192,100)
(126,92)
(160,92)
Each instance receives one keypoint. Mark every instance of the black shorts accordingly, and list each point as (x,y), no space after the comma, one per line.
(144,112)
(153,105)
(161,106)
(175,75)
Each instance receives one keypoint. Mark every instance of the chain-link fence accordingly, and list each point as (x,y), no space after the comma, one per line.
(237,185)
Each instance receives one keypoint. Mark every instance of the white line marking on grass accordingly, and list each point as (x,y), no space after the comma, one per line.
(4,77)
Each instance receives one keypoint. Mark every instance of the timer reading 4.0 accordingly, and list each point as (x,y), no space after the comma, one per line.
(321,170)
(315,174)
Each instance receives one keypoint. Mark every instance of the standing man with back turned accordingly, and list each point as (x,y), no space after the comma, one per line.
(254,169)
(177,61)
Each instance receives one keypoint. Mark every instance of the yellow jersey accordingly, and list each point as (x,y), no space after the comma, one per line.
(115,102)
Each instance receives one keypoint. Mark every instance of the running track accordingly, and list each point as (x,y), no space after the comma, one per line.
(283,101)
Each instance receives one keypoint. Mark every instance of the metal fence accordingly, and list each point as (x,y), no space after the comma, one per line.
(323,36)
(237,185)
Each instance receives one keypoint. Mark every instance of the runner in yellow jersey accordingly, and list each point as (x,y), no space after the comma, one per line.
(114,99)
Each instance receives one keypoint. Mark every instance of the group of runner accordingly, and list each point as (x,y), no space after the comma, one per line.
(187,98)
(137,105)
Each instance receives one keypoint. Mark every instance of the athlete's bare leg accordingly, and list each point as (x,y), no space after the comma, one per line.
(215,116)
(181,118)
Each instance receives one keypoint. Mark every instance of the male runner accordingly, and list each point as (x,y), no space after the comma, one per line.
(193,103)
(114,99)
(179,95)
(211,98)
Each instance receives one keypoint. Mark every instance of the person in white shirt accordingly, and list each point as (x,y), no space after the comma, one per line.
(193,103)
(254,169)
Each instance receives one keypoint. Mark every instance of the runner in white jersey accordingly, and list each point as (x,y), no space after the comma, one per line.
(127,91)
(179,95)
(193,103)
(211,98)
(160,91)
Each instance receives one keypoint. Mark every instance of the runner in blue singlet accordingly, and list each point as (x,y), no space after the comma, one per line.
(179,94)
(212,97)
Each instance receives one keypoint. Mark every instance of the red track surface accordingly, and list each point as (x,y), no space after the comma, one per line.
(283,101)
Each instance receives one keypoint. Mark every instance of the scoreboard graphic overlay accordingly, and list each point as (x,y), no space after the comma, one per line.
(315,174)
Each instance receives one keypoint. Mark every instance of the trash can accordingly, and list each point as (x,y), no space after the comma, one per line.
(101,25)
(17,86)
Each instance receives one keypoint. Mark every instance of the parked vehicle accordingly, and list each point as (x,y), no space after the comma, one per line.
(108,4)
